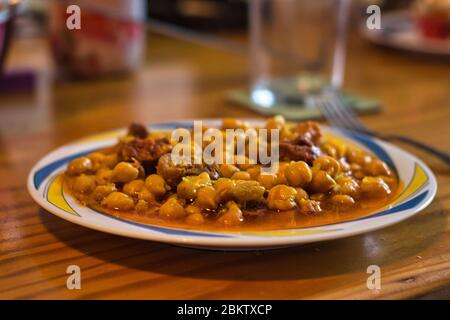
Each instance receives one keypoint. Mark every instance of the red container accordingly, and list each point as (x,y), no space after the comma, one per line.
(435,26)
(110,40)
(7,15)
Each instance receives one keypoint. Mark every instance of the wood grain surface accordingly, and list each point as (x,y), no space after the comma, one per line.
(182,80)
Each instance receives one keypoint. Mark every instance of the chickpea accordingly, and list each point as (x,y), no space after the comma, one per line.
(156,185)
(301,194)
(322,182)
(341,147)
(267,180)
(195,219)
(232,123)
(363,159)
(375,187)
(232,216)
(254,172)
(223,189)
(330,150)
(277,122)
(327,164)
(348,186)
(97,159)
(118,201)
(146,195)
(110,161)
(309,206)
(187,188)
(355,167)
(227,170)
(84,184)
(390,181)
(241,175)
(206,198)
(142,206)
(357,171)
(172,209)
(359,174)
(342,201)
(357,156)
(377,168)
(298,174)
(350,154)
(281,175)
(125,172)
(245,163)
(286,133)
(345,166)
(282,197)
(96,156)
(104,176)
(318,196)
(337,147)
(78,166)
(193,209)
(100,192)
(133,188)
(247,191)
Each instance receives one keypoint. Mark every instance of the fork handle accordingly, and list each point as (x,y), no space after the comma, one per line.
(444,156)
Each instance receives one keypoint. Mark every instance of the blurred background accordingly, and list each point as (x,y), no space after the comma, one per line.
(163,60)
(158,60)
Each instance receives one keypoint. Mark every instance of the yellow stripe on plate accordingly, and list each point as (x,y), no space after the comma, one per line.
(418,180)
(55,195)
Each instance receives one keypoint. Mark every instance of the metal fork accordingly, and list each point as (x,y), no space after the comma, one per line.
(338,114)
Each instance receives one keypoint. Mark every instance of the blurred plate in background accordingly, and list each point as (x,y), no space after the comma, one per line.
(399,31)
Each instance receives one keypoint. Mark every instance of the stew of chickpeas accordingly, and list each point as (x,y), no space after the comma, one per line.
(320,180)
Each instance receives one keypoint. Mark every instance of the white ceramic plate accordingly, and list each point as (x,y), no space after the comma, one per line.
(44,185)
(399,32)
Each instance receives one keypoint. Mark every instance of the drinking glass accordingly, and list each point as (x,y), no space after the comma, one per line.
(297,48)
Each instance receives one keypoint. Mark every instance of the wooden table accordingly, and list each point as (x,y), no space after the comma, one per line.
(182,80)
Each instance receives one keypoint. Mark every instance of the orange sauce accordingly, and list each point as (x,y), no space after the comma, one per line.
(263,219)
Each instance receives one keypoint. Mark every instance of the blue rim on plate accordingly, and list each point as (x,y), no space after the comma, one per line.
(418,190)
